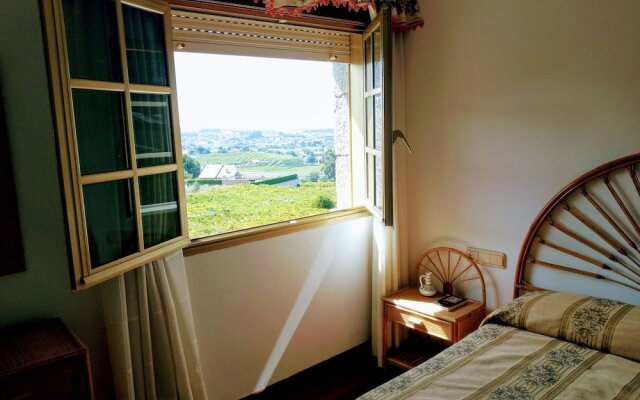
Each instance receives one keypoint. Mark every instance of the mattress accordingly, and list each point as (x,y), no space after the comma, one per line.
(548,345)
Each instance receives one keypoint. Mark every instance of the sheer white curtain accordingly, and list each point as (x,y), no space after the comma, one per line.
(391,248)
(151,334)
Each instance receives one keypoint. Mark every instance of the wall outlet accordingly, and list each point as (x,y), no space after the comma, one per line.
(487,258)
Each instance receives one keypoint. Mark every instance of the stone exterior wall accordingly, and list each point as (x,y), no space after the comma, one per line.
(342,134)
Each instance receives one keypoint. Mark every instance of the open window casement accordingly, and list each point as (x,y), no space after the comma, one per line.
(377,113)
(114,98)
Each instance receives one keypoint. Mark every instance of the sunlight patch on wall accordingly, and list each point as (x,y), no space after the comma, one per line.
(307,292)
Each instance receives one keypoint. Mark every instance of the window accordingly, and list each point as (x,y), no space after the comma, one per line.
(115,98)
(265,118)
(378,140)
(113,90)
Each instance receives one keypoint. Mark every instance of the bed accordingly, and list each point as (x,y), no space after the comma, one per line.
(573,328)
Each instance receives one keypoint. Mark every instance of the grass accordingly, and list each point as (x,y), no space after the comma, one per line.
(231,208)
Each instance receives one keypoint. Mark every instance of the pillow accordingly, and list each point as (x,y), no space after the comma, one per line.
(602,324)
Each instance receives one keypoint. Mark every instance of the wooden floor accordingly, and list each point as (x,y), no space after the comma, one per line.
(345,376)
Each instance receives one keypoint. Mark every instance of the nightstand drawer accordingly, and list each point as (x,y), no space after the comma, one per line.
(432,326)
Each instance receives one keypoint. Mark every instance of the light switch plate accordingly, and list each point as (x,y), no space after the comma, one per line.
(487,258)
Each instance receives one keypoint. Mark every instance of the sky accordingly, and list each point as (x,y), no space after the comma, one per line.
(238,92)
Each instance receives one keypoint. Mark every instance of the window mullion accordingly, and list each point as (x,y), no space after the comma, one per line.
(96,85)
(157,169)
(149,89)
(129,124)
(372,92)
(106,177)
(134,168)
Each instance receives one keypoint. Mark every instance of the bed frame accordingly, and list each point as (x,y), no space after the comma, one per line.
(588,233)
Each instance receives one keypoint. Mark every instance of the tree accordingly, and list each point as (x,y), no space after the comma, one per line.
(329,165)
(313,177)
(191,166)
(325,202)
(310,159)
(202,150)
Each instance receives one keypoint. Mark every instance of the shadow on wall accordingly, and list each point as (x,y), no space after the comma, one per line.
(10,234)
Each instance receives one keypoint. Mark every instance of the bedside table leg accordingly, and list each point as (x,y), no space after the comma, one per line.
(385,329)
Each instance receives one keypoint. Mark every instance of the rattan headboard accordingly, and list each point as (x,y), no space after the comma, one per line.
(589,231)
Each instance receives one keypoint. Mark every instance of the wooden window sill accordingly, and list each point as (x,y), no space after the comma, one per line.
(211,243)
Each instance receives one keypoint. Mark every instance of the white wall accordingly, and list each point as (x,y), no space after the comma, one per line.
(44,290)
(268,309)
(507,103)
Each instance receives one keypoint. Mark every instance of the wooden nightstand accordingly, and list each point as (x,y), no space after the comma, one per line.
(43,360)
(409,308)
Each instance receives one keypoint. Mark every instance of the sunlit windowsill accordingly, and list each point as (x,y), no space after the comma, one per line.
(211,243)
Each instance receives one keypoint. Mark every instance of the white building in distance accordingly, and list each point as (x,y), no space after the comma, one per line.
(219,171)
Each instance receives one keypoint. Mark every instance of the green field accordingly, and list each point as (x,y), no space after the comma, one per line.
(274,161)
(225,209)
(284,163)
(306,169)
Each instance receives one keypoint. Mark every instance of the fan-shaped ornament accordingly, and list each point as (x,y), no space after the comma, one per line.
(452,268)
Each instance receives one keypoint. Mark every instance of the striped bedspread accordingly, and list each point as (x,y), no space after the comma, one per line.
(508,362)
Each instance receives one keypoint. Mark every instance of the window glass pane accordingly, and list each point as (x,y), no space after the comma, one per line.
(377,116)
(370,122)
(377,59)
(152,129)
(370,180)
(285,159)
(368,62)
(111,226)
(100,131)
(160,217)
(92,39)
(378,178)
(146,54)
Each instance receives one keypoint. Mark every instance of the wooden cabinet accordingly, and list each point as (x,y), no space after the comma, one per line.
(43,360)
(410,309)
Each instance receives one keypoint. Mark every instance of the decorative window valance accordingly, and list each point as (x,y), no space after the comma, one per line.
(296,7)
(405,14)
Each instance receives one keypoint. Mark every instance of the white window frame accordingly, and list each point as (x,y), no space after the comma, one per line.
(223,34)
